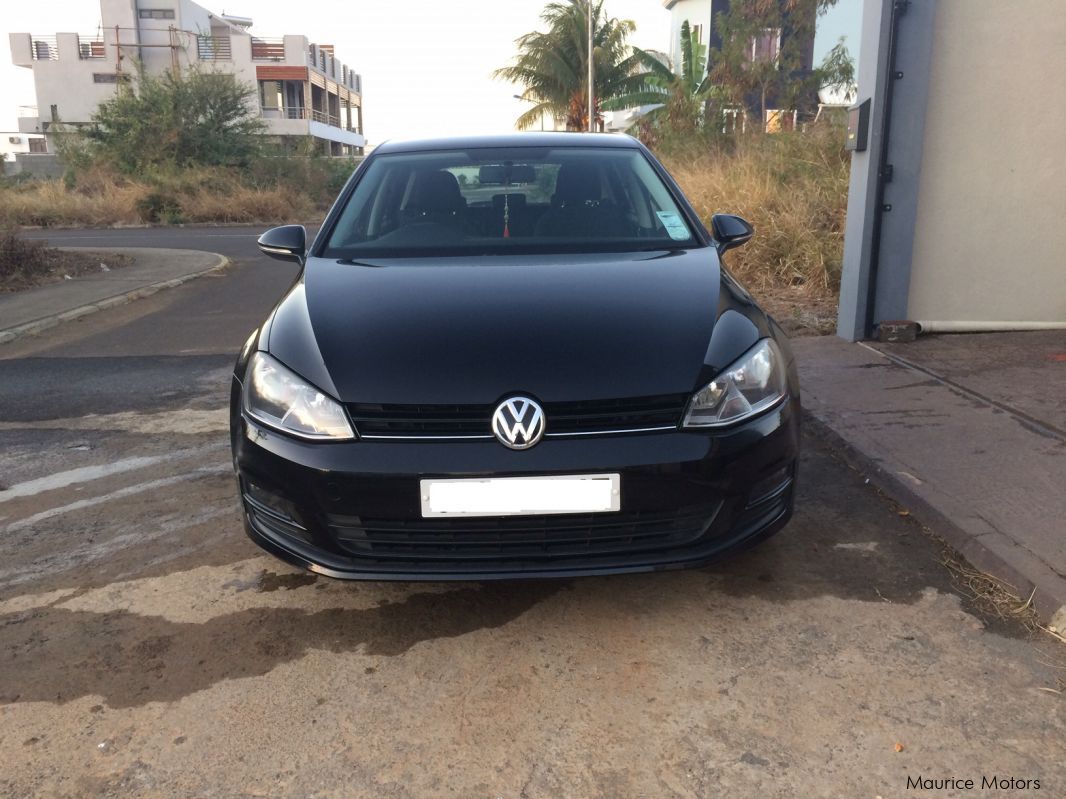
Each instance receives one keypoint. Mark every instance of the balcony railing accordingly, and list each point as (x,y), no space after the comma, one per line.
(292,112)
(44,48)
(91,47)
(325,119)
(213,48)
(268,49)
(297,112)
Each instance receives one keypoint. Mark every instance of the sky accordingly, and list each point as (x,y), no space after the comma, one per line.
(426,64)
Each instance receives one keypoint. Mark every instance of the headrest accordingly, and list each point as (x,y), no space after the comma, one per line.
(436,191)
(576,183)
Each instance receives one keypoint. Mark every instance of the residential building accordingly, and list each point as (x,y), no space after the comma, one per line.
(304,92)
(702,16)
(13,142)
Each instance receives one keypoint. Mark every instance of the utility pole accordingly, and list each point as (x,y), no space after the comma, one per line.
(592,76)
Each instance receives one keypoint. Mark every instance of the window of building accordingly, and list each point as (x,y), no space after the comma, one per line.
(766,47)
(37,146)
(778,120)
(734,120)
(156,13)
(105,77)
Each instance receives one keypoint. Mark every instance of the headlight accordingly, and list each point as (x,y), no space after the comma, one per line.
(278,398)
(751,385)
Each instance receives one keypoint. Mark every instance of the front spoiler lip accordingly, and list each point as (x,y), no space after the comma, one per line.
(313,560)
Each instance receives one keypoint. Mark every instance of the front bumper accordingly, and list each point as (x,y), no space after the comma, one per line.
(352,510)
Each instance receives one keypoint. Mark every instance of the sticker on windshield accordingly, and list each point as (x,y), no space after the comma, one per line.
(673,224)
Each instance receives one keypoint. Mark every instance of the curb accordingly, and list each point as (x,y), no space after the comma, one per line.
(1048,596)
(46,322)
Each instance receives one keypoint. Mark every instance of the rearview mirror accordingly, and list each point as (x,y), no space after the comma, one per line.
(286,243)
(730,231)
(499,174)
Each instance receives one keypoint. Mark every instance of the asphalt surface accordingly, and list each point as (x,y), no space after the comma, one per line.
(148,649)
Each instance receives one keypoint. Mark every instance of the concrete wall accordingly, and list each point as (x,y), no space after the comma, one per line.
(40,165)
(990,235)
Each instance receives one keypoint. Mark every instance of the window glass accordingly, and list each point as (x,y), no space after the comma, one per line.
(523,199)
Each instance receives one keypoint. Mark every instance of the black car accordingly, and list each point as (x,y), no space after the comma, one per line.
(513,356)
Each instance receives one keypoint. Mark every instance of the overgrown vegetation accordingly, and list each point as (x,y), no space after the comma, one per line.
(793,189)
(281,189)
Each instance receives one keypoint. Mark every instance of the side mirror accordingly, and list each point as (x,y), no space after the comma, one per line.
(286,243)
(730,231)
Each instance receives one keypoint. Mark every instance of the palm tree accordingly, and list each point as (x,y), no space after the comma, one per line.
(680,98)
(553,65)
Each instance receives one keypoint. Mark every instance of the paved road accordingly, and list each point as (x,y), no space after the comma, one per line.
(147,648)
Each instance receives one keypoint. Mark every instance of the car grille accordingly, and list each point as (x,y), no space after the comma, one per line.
(521,538)
(473,421)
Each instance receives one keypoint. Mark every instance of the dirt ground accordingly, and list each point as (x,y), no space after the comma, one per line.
(36,265)
(799,311)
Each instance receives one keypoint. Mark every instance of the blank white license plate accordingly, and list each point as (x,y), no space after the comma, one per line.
(521,496)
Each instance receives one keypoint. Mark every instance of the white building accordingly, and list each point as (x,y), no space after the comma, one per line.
(303,90)
(13,142)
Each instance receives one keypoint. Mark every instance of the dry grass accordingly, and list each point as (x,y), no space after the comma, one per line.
(793,189)
(991,595)
(244,204)
(48,203)
(101,197)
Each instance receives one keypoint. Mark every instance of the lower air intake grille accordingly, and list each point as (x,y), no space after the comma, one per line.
(521,538)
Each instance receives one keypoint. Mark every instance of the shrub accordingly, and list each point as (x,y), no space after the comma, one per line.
(159,206)
(198,118)
(19,258)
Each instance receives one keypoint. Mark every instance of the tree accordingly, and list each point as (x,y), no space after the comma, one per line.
(837,72)
(681,96)
(200,118)
(553,65)
(763,54)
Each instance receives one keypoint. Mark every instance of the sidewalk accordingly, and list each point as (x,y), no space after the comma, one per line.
(31,311)
(969,432)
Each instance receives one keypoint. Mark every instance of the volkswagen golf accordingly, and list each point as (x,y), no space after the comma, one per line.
(509,357)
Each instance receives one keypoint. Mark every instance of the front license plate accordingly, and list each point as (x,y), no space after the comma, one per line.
(521,496)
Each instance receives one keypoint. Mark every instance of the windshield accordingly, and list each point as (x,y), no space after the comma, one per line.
(522,199)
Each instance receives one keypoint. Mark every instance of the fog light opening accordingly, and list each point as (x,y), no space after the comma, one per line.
(271,502)
(770,486)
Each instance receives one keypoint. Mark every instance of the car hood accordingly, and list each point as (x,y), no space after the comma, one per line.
(470,331)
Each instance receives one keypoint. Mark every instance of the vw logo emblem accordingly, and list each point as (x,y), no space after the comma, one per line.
(518,422)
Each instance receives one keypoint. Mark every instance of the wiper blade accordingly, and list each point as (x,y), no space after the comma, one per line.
(353,262)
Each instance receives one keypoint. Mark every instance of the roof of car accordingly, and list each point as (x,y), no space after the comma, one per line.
(538,139)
